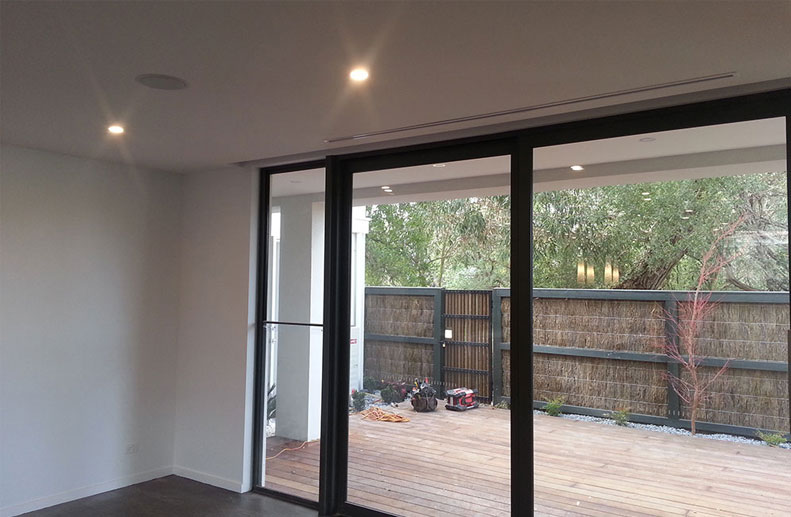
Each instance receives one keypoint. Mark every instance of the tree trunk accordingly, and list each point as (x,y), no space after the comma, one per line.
(645,277)
(693,416)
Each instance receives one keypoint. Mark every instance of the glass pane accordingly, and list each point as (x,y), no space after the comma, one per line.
(660,323)
(430,266)
(295,290)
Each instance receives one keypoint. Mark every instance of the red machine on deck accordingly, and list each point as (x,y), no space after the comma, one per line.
(461,399)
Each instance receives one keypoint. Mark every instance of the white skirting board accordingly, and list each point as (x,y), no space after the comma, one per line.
(86,491)
(209,479)
(106,486)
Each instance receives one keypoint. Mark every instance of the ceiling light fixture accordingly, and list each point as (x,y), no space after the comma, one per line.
(577,168)
(161,81)
(358,75)
(115,129)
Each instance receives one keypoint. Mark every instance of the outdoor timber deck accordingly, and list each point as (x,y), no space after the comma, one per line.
(458,464)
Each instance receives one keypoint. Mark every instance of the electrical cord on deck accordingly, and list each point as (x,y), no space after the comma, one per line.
(287,449)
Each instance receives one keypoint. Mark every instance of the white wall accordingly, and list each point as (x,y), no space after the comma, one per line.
(89,295)
(214,395)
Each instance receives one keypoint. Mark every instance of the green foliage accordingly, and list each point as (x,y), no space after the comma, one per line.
(553,406)
(371,384)
(358,400)
(390,395)
(772,439)
(460,243)
(656,244)
(394,392)
(620,417)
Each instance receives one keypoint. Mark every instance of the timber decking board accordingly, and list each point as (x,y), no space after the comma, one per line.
(447,463)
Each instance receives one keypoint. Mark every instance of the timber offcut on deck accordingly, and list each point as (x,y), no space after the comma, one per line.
(458,464)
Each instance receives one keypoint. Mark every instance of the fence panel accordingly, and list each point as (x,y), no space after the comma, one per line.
(501,345)
(601,350)
(754,332)
(402,340)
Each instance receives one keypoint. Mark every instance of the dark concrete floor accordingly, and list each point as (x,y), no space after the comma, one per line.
(174,496)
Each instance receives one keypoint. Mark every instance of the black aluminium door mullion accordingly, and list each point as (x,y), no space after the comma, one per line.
(333,465)
(522,472)
(788,215)
(259,367)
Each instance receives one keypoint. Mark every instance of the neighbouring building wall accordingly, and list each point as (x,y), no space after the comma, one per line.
(89,296)
(216,330)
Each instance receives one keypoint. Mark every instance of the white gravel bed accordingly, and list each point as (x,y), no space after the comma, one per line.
(668,430)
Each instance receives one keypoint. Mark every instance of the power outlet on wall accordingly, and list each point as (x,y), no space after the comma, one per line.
(132,448)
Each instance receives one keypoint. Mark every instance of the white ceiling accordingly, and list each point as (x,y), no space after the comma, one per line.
(269,79)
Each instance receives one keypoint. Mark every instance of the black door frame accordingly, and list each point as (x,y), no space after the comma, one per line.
(259,367)
(520,146)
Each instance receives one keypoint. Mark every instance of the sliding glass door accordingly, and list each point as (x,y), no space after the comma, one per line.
(292,333)
(430,246)
(533,322)
(661,316)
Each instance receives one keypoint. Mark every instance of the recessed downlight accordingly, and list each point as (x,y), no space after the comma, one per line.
(358,75)
(161,81)
(115,129)
(577,168)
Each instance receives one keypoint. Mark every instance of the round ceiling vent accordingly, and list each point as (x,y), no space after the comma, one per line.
(161,82)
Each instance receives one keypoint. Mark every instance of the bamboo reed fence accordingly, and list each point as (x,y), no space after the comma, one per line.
(599,350)
(752,394)
(400,334)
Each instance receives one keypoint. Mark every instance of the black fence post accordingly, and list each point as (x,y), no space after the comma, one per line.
(497,341)
(439,335)
(671,335)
